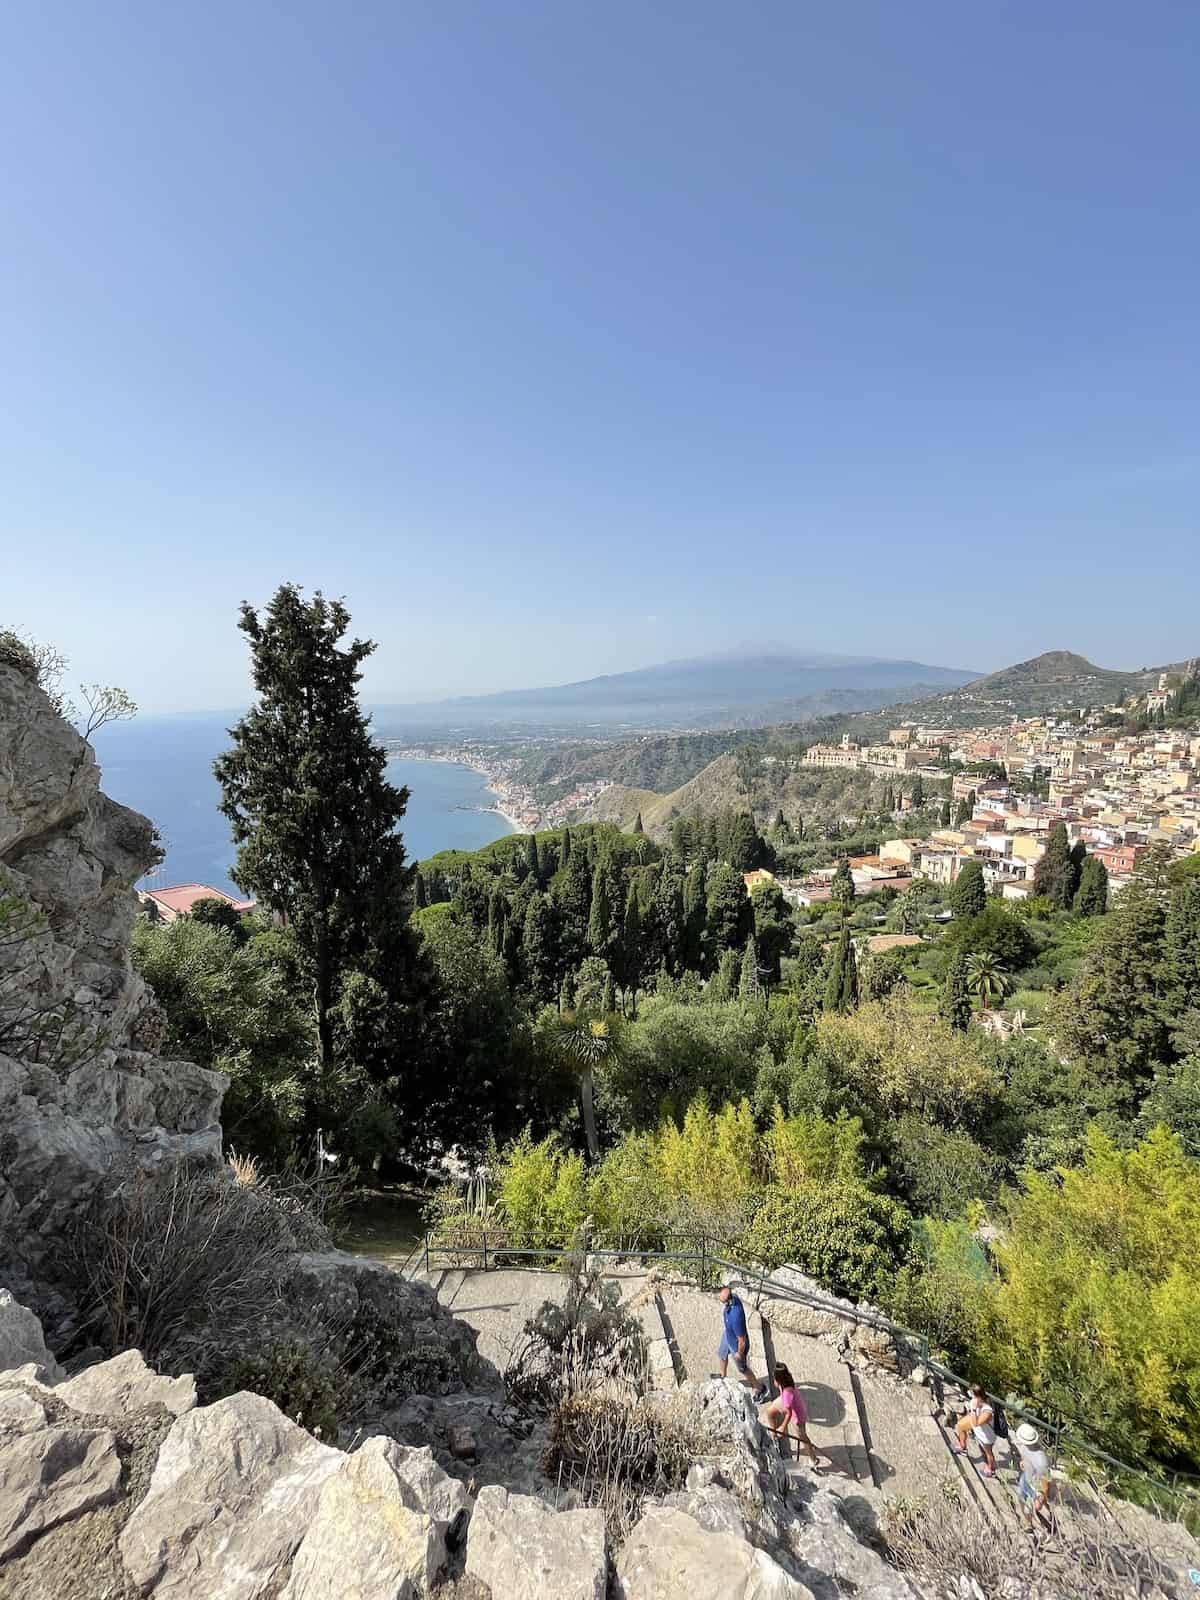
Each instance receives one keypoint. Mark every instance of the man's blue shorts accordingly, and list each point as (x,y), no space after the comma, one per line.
(725,1350)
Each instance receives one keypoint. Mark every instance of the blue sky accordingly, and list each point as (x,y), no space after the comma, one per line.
(564,338)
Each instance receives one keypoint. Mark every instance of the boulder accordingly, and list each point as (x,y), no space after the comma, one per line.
(124,1384)
(517,1545)
(48,1476)
(19,1413)
(425,1487)
(368,1541)
(22,1343)
(233,1492)
(669,1555)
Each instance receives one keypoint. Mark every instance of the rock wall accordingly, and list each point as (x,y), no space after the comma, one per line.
(72,856)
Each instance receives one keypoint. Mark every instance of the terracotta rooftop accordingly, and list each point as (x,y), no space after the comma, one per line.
(181,897)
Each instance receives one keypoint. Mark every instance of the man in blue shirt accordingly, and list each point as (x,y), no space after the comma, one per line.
(735,1342)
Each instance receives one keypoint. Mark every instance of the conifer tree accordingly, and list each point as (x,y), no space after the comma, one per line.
(531,857)
(1091,897)
(945,815)
(539,949)
(695,911)
(889,798)
(968,892)
(965,810)
(608,1002)
(311,811)
(841,887)
(748,984)
(566,994)
(918,792)
(723,984)
(730,914)
(841,984)
(420,893)
(955,1004)
(1056,875)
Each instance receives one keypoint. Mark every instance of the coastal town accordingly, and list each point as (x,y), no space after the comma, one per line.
(1118,794)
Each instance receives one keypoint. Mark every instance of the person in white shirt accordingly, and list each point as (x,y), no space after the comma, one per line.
(1033,1486)
(978,1419)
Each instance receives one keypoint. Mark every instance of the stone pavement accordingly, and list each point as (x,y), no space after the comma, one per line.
(873,1429)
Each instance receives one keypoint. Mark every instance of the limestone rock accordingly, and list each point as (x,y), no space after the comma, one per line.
(71,856)
(516,1545)
(232,1495)
(125,1384)
(367,1541)
(425,1487)
(19,1413)
(668,1556)
(49,1475)
(22,1342)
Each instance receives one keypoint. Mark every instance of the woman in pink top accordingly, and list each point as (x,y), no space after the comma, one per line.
(789,1408)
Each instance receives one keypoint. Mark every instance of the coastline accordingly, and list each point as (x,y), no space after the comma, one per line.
(508,805)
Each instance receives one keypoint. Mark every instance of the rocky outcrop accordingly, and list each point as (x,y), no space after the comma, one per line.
(234,1489)
(22,1342)
(515,1540)
(669,1555)
(78,1088)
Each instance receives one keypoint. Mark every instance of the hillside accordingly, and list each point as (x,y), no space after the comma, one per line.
(1055,680)
(716,691)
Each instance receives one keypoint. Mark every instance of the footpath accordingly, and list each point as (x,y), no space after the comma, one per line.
(869,1426)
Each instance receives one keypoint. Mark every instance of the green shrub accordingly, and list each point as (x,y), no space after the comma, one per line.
(845,1236)
(306,1386)
(543,1193)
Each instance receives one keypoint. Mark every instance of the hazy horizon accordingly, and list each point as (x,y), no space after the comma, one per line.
(563,342)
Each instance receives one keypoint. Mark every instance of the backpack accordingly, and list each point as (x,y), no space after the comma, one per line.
(999,1421)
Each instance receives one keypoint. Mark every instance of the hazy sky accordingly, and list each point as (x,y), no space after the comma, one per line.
(561,338)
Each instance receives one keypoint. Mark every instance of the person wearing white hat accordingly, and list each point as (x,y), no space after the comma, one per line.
(1033,1486)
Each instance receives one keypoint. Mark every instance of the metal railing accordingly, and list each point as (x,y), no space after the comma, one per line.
(1066,1443)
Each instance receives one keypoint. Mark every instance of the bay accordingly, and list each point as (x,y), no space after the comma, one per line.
(162,766)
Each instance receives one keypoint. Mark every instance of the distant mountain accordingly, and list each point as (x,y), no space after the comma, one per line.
(710,691)
(1055,680)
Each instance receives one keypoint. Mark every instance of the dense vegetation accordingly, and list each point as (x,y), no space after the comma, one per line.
(626,1033)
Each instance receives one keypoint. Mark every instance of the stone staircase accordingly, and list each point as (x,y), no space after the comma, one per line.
(872,1429)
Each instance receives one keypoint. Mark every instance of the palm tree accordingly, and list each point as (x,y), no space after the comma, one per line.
(987,977)
(587,1041)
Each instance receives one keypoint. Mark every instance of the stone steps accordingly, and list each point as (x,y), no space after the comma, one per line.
(825,1382)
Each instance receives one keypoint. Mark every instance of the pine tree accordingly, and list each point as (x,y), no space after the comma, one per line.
(311,811)
(1091,897)
(748,984)
(968,892)
(955,1004)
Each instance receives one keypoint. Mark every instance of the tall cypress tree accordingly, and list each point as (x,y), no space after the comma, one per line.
(841,887)
(532,866)
(749,987)
(1056,875)
(311,811)
(839,982)
(955,1003)
(1091,897)
(968,892)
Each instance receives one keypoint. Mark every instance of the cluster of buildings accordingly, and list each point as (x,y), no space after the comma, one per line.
(1116,794)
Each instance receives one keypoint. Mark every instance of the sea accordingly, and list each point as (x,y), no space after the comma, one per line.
(162,766)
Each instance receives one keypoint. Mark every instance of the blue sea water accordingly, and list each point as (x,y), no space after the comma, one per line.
(162,766)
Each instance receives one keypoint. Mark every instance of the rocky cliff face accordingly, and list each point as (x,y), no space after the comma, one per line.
(80,1084)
